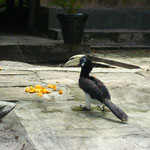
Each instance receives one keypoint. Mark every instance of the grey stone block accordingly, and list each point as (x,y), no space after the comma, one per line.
(5,108)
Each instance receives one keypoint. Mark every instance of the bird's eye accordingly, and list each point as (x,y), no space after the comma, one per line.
(83,60)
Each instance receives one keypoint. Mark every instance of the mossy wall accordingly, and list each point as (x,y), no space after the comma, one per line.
(110,3)
(117,3)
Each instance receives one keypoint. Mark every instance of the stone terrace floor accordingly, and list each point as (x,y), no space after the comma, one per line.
(54,121)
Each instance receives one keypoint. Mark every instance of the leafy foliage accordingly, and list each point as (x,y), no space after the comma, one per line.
(70,6)
(2,2)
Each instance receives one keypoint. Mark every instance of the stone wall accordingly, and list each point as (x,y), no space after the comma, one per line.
(123,18)
(109,14)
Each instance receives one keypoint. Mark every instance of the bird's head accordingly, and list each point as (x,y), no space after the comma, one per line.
(77,60)
(80,60)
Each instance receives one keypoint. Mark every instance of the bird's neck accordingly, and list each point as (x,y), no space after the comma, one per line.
(86,69)
(84,73)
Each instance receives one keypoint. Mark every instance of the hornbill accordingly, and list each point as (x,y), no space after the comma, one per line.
(95,90)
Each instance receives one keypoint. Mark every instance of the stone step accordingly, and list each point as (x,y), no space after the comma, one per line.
(32,49)
(99,47)
(111,38)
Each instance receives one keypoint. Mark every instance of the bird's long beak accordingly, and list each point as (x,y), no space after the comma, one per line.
(74,60)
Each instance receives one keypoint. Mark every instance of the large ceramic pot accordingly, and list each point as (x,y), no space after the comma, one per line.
(72,26)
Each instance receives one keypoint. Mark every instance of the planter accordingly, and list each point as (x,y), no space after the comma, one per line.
(72,26)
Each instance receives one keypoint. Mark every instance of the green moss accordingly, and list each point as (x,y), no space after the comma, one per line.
(52,110)
(77,108)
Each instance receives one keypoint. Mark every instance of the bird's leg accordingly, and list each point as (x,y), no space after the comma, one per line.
(87,106)
(103,108)
(84,108)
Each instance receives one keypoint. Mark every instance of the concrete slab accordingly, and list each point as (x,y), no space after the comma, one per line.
(56,126)
(18,78)
(5,108)
(17,94)
(56,122)
(12,134)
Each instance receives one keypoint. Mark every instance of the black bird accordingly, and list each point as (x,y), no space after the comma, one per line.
(95,90)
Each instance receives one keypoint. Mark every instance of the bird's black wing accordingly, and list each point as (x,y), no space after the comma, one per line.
(102,87)
(115,109)
(95,88)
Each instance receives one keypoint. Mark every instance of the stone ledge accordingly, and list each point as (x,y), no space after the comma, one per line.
(110,37)
(41,53)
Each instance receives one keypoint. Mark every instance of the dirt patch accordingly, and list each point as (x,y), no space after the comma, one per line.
(9,139)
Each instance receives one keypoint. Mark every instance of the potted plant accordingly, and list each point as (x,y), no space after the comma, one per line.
(72,23)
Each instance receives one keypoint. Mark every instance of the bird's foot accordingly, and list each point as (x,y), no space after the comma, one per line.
(84,108)
(103,108)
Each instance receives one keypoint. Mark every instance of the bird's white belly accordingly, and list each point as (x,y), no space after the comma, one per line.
(90,100)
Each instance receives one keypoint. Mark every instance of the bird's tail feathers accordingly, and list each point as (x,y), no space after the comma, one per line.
(116,110)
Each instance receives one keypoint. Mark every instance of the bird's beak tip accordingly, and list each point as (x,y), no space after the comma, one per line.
(66,64)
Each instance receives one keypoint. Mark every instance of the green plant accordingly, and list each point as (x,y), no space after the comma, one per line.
(70,6)
(2,2)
